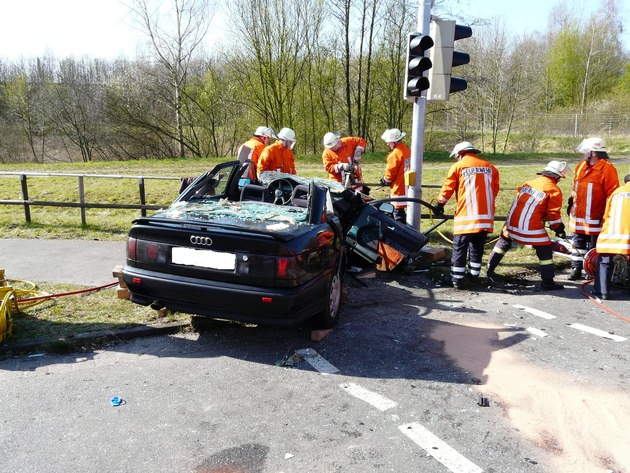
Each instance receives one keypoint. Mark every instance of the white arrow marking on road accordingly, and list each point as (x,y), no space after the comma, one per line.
(441,451)
(598,332)
(536,312)
(537,332)
(372,398)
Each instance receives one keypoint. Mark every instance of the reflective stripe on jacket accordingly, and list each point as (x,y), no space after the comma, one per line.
(615,235)
(345,154)
(592,185)
(475,183)
(398,161)
(276,157)
(537,201)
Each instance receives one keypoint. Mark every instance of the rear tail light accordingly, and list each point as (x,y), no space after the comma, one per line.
(146,251)
(290,267)
(131,248)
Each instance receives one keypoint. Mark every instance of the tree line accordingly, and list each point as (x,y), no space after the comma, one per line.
(314,66)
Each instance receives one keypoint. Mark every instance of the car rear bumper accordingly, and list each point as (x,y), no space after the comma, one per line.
(270,306)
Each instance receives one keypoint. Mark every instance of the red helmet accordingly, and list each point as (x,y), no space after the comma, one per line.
(590,261)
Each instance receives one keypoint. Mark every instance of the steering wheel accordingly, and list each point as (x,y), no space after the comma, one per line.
(281,190)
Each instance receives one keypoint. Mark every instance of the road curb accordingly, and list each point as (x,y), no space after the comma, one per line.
(54,344)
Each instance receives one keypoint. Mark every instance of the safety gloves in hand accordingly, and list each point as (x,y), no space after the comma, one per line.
(559,230)
(439,208)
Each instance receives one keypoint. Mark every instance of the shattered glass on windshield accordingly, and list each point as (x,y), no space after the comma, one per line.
(252,215)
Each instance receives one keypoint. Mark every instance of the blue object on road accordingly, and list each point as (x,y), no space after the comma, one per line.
(116,401)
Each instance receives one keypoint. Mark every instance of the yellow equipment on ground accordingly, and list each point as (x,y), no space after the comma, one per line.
(7,305)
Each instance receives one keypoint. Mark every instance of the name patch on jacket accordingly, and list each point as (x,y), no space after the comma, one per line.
(471,171)
(538,195)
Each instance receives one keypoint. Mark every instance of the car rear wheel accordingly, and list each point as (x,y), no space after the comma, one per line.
(330,315)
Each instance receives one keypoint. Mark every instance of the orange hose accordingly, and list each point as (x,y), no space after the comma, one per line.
(607,309)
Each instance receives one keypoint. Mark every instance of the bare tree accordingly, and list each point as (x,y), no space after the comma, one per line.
(79,106)
(269,53)
(27,97)
(175,30)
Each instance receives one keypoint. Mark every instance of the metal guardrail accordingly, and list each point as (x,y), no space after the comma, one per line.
(82,204)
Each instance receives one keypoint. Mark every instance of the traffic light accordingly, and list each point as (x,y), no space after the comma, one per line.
(444,58)
(417,64)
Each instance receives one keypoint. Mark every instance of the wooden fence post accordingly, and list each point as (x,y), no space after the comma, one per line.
(143,199)
(27,208)
(82,200)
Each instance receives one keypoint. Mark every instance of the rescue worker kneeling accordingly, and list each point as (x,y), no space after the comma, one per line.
(537,201)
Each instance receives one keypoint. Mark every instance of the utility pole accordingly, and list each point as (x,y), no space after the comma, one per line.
(417,128)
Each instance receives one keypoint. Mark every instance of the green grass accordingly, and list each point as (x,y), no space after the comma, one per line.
(67,315)
(75,309)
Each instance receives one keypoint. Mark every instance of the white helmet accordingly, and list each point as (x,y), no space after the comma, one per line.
(392,135)
(463,146)
(330,139)
(591,144)
(557,168)
(264,131)
(286,134)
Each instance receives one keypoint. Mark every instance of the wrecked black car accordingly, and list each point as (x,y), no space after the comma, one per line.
(271,252)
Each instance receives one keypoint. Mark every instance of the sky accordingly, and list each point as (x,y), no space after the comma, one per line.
(102,28)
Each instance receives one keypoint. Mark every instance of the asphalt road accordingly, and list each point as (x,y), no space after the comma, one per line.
(88,263)
(384,394)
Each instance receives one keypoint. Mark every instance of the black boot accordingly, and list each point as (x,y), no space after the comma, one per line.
(493,261)
(576,274)
(550,285)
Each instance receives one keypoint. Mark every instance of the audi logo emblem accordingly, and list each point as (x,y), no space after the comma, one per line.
(200,240)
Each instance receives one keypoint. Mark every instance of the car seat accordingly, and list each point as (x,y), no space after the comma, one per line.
(299,196)
(256,193)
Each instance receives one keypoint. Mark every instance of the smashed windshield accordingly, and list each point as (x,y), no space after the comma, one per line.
(251,215)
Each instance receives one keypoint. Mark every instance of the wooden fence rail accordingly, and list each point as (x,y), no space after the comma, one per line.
(82,204)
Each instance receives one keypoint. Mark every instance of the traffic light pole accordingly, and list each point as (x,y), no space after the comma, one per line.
(417,128)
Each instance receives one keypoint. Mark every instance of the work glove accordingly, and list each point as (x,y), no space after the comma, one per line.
(559,230)
(383,182)
(439,208)
(569,205)
(346,167)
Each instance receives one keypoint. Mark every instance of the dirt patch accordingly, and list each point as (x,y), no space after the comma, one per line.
(582,427)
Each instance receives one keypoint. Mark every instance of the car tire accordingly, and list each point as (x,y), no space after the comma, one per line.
(329,317)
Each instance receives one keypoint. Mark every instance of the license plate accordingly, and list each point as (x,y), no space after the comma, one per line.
(203,258)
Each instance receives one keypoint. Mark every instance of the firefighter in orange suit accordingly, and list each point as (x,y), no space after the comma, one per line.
(537,201)
(279,156)
(475,183)
(253,147)
(342,157)
(594,180)
(614,238)
(398,161)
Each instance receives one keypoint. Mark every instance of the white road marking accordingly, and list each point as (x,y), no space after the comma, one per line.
(372,398)
(438,449)
(598,332)
(537,332)
(317,361)
(536,312)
